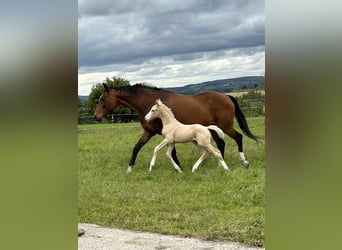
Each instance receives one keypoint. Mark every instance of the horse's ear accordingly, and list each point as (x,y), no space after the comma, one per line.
(106,87)
(158,101)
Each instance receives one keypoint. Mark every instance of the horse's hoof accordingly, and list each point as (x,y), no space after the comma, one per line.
(245,164)
(129,170)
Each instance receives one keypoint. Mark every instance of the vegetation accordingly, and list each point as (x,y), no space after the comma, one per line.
(210,203)
(253,103)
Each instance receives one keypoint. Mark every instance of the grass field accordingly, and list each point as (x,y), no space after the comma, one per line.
(210,203)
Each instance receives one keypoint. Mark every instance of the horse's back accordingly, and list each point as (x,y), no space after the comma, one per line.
(219,104)
(208,98)
(214,97)
(207,107)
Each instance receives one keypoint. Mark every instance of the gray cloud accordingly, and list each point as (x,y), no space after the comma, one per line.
(169,42)
(123,31)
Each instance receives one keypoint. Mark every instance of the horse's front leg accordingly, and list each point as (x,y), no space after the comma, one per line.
(146,136)
(155,152)
(169,155)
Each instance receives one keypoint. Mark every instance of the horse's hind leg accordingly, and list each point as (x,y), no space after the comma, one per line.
(219,142)
(169,155)
(238,139)
(174,157)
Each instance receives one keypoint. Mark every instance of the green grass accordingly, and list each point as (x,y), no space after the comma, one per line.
(210,203)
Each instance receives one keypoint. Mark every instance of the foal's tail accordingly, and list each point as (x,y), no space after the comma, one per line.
(217,130)
(242,120)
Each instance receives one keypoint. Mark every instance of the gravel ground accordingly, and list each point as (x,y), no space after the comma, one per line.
(101,238)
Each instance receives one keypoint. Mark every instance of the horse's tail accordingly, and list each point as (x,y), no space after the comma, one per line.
(217,130)
(242,120)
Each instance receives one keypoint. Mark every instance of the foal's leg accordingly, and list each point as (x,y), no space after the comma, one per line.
(169,155)
(146,136)
(238,139)
(218,155)
(199,161)
(155,152)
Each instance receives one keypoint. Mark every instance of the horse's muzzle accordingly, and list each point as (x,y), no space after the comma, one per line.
(98,118)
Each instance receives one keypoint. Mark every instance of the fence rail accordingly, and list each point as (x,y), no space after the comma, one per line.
(125,118)
(111,118)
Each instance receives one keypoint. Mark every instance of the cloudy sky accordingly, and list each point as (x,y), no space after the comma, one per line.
(169,42)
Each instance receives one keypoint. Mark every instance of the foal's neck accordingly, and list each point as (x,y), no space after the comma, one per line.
(167,117)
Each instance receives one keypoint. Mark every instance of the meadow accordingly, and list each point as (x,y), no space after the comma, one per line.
(211,203)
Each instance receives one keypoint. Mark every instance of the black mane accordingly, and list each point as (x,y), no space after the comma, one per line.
(134,88)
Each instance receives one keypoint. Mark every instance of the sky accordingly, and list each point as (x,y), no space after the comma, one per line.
(167,43)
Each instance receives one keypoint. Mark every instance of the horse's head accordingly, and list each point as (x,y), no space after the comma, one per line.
(153,113)
(106,104)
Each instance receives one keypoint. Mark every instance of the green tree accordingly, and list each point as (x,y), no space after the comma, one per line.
(97,90)
(80,109)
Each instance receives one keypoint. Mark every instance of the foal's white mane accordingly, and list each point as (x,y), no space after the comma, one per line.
(165,108)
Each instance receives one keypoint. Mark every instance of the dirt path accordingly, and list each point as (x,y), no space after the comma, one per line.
(100,238)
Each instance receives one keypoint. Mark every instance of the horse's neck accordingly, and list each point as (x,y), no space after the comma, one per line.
(131,101)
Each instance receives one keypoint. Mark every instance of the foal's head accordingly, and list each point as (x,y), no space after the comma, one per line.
(107,103)
(154,112)
(159,110)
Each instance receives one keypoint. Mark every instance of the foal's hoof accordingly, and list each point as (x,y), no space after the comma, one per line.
(129,169)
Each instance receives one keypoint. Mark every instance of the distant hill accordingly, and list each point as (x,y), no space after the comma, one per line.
(83,97)
(225,85)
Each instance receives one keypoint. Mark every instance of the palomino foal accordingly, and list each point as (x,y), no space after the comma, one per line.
(174,131)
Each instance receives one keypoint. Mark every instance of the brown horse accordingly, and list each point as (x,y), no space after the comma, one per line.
(206,108)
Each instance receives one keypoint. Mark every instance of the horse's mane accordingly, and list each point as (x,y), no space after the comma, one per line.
(134,88)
